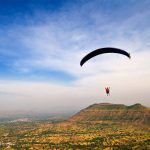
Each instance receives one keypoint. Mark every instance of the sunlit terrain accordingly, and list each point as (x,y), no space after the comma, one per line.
(73,134)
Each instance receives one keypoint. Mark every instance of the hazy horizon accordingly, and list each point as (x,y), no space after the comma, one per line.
(43,42)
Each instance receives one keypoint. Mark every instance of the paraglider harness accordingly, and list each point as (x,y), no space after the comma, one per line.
(107,90)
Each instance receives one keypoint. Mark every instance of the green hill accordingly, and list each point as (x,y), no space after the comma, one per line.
(136,113)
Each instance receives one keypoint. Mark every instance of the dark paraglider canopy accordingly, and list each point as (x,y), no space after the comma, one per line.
(103,51)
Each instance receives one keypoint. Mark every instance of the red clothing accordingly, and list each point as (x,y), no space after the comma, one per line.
(107,90)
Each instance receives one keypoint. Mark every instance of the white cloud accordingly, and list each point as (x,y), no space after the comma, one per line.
(60,43)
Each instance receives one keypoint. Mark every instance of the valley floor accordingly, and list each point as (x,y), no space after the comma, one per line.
(44,135)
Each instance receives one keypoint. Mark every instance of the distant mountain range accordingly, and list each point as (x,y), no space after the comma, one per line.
(136,113)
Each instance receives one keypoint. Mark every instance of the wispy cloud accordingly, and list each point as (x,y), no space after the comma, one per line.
(49,47)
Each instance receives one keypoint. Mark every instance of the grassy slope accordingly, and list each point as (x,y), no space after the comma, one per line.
(114,112)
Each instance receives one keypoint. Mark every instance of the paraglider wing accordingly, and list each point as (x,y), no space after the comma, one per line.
(103,51)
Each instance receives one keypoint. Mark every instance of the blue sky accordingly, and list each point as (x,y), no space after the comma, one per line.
(43,41)
(73,17)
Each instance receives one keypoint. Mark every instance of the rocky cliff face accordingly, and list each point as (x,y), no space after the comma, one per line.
(114,112)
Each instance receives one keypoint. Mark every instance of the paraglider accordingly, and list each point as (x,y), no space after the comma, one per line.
(103,51)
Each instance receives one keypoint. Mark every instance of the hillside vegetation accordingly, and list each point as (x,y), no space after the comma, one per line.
(136,113)
(98,127)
